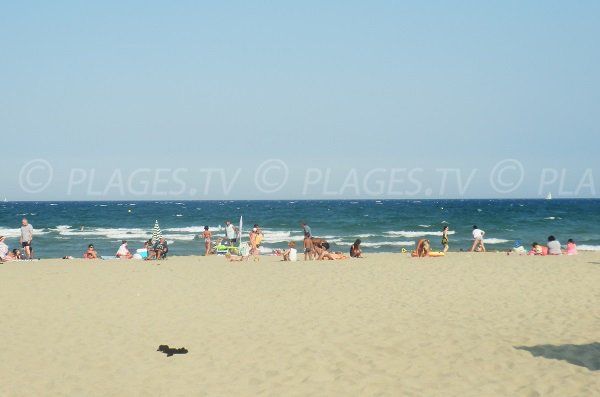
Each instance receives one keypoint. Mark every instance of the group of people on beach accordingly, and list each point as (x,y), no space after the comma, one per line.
(314,248)
(552,247)
(25,251)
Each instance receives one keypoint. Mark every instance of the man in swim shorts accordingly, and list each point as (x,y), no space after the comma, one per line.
(26,238)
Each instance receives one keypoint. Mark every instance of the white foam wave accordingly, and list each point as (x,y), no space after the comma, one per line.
(188,229)
(585,247)
(184,237)
(10,232)
(379,244)
(17,232)
(276,236)
(495,241)
(414,234)
(425,225)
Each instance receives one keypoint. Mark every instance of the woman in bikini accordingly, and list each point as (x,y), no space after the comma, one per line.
(445,238)
(207,236)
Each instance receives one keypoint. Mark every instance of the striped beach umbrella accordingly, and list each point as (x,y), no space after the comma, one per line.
(156,232)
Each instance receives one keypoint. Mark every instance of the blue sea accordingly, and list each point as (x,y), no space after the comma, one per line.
(66,228)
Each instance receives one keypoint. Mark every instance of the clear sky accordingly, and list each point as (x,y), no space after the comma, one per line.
(311,99)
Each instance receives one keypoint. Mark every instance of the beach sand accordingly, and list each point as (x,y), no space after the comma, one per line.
(386,325)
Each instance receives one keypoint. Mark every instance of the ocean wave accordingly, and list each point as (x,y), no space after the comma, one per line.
(183,237)
(272,236)
(414,234)
(495,241)
(10,232)
(187,229)
(585,247)
(17,232)
(379,244)
(425,225)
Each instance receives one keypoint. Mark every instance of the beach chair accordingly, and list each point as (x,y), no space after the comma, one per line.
(223,246)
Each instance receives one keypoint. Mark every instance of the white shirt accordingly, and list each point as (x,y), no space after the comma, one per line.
(3,250)
(293,254)
(26,233)
(123,251)
(554,248)
(230,231)
(478,234)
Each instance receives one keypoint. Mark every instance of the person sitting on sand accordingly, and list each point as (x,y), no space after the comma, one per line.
(291,254)
(123,251)
(518,248)
(3,249)
(422,248)
(15,255)
(536,249)
(244,255)
(553,246)
(355,251)
(159,251)
(90,253)
(571,247)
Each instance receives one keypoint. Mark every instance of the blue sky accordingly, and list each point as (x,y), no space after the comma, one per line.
(113,95)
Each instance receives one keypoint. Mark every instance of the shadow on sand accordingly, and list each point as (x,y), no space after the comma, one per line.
(587,356)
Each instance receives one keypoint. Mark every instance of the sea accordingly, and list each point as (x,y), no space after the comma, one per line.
(65,228)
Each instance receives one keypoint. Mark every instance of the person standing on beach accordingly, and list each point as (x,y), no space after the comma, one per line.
(207,236)
(477,238)
(230,232)
(308,245)
(445,238)
(26,237)
(252,237)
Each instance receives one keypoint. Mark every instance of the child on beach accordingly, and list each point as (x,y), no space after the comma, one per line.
(308,245)
(571,247)
(291,254)
(538,249)
(207,236)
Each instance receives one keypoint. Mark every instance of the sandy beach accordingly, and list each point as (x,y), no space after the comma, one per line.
(386,325)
